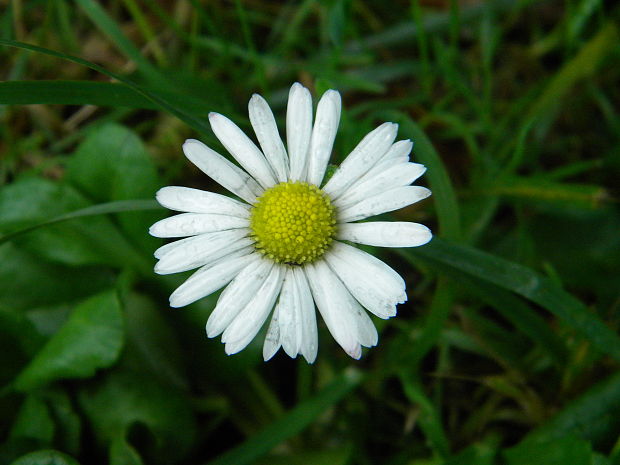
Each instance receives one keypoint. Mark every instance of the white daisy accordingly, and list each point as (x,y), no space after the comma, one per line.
(280,247)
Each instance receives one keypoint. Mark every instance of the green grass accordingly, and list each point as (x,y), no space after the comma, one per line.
(507,350)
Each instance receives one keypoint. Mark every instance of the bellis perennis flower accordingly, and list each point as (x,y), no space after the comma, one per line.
(279,249)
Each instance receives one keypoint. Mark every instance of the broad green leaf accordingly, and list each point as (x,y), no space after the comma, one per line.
(19,340)
(31,201)
(151,343)
(112,164)
(34,422)
(45,457)
(91,339)
(476,454)
(122,453)
(126,400)
(292,422)
(561,451)
(36,283)
(68,421)
(525,282)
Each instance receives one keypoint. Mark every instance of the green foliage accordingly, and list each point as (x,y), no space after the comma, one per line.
(91,339)
(507,351)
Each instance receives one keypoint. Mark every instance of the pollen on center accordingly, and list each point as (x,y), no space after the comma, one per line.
(293,222)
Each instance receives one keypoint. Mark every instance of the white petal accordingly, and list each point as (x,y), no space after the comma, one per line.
(238,294)
(166,248)
(266,130)
(196,251)
(341,313)
(323,135)
(272,339)
(375,182)
(209,279)
(289,316)
(367,333)
(309,339)
(385,233)
(372,147)
(385,202)
(398,151)
(242,149)
(190,224)
(221,170)
(186,199)
(373,283)
(298,130)
(249,321)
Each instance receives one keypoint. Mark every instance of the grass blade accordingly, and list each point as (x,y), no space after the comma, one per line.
(72,93)
(443,192)
(100,209)
(525,282)
(292,422)
(198,124)
(104,22)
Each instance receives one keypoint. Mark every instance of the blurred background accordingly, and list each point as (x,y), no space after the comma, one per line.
(507,351)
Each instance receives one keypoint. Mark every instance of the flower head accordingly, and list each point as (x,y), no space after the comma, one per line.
(279,249)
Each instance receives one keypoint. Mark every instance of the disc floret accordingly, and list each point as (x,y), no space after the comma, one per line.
(293,223)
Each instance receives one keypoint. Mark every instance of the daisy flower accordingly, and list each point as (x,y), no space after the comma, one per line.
(282,248)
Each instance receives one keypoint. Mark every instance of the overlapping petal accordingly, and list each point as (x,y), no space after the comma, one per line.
(222,171)
(242,149)
(266,131)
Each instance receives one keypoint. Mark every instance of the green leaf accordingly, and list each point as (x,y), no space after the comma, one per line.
(476,454)
(45,457)
(31,203)
(594,416)
(36,283)
(19,340)
(525,282)
(127,402)
(181,112)
(112,164)
(292,422)
(429,417)
(537,189)
(34,422)
(151,343)
(566,450)
(68,421)
(122,453)
(103,94)
(91,339)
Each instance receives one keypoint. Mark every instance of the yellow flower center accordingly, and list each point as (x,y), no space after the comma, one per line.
(293,222)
